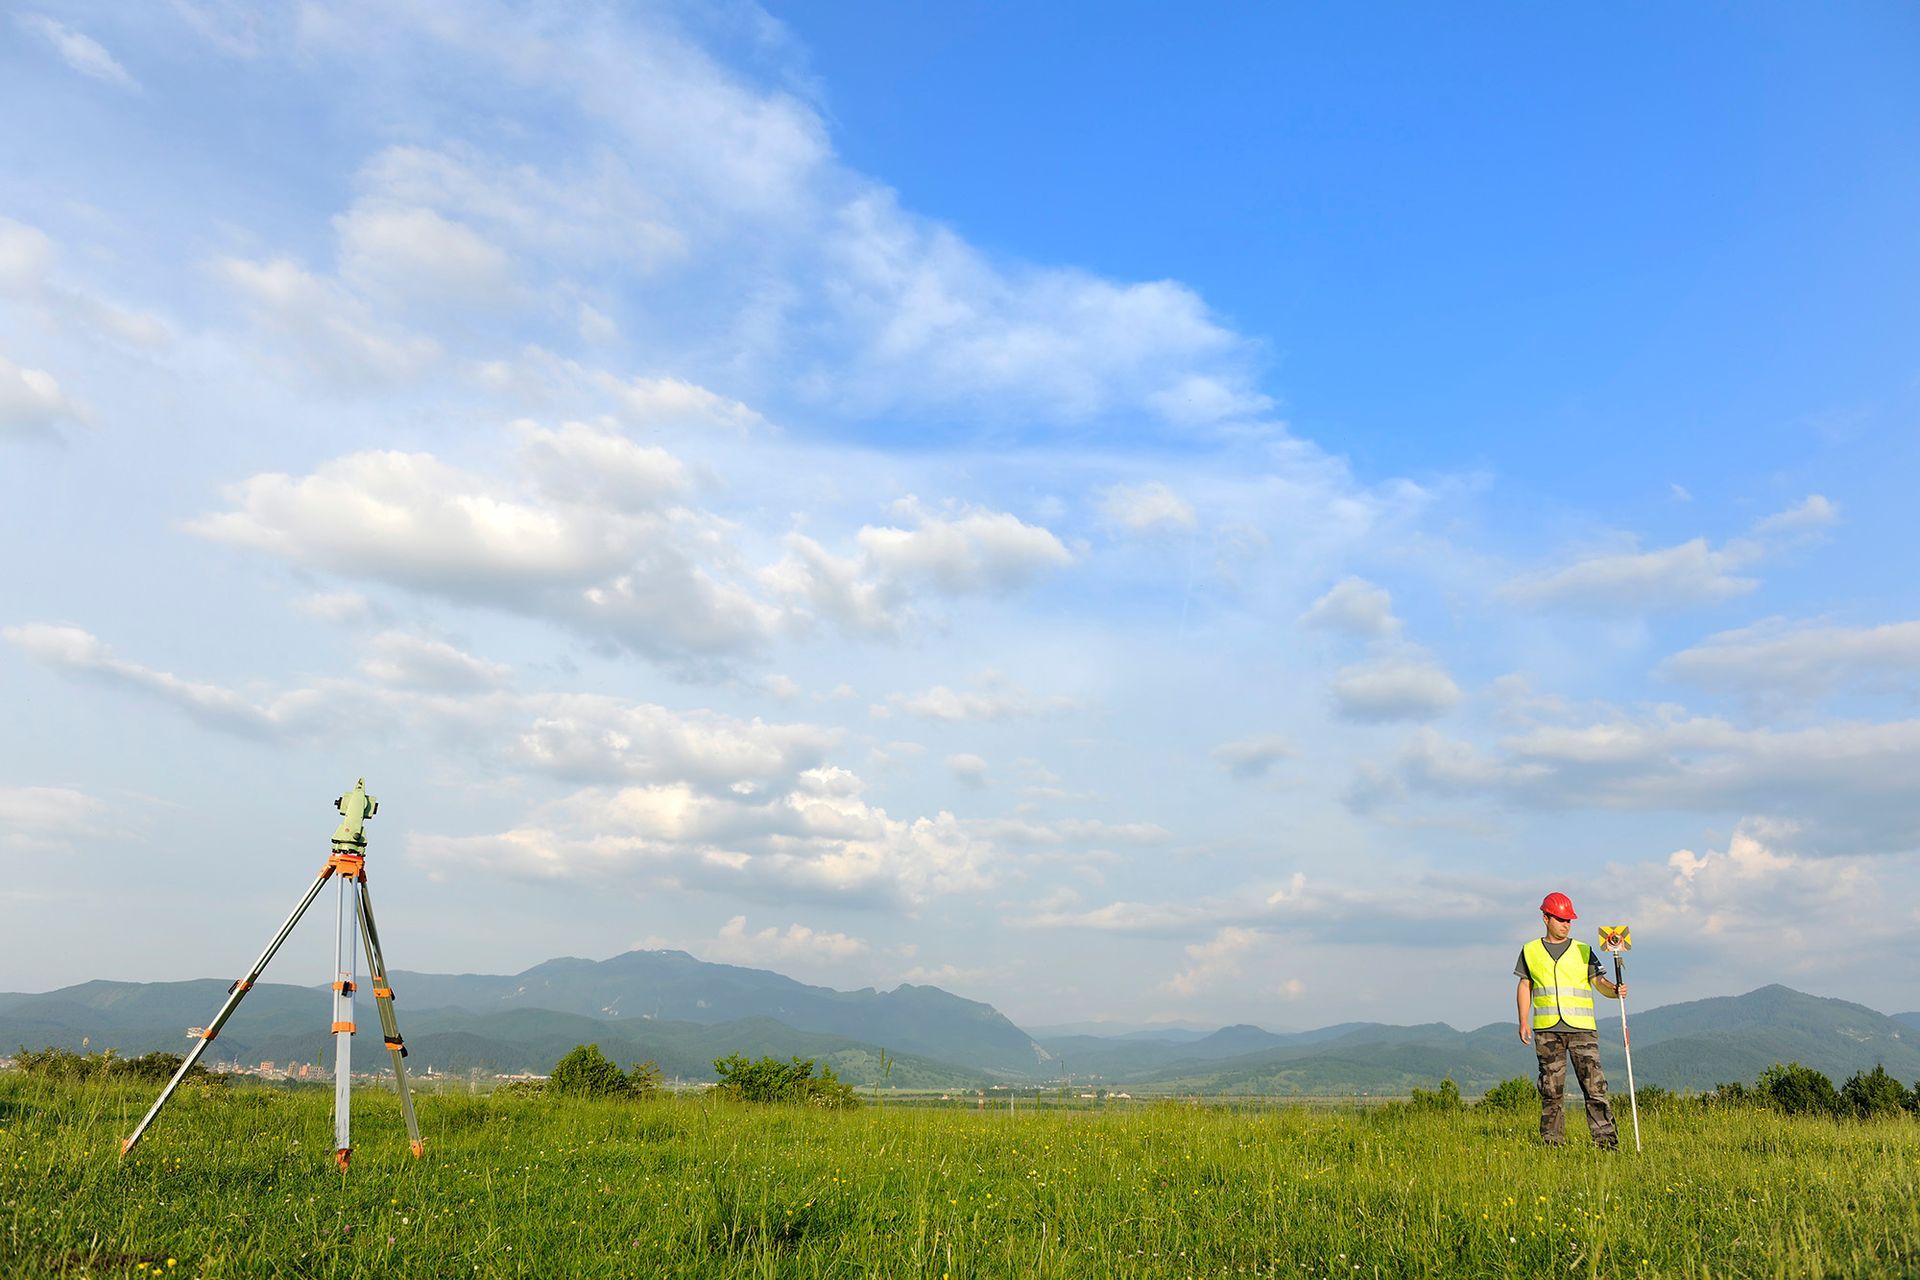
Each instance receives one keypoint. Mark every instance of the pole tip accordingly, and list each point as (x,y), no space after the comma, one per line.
(419,1148)
(340,1157)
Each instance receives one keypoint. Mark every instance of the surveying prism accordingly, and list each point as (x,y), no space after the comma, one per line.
(352,929)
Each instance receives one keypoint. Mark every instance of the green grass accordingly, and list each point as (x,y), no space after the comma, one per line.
(239,1183)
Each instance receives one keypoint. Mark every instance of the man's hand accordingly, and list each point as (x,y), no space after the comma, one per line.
(1526,1034)
(1620,992)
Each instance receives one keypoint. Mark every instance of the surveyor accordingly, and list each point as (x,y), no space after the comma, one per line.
(1555,1002)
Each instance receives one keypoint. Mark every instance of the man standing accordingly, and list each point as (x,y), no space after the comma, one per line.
(1555,1002)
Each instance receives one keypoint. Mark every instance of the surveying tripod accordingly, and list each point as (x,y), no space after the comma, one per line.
(353,914)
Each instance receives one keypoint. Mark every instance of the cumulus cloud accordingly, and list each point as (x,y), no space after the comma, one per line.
(1354,607)
(80,51)
(1396,688)
(1211,961)
(1142,508)
(1852,778)
(602,560)
(31,401)
(820,840)
(797,943)
(1777,656)
(968,552)
(1253,758)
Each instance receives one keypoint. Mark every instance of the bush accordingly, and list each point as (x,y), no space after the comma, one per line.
(1517,1094)
(771,1080)
(1730,1093)
(586,1072)
(1797,1090)
(152,1068)
(1446,1098)
(1873,1093)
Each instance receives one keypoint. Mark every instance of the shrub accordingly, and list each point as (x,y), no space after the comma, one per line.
(1517,1094)
(153,1068)
(1730,1093)
(1873,1093)
(585,1072)
(1446,1098)
(1797,1090)
(771,1080)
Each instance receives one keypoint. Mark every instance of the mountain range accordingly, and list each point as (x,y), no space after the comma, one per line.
(683,1013)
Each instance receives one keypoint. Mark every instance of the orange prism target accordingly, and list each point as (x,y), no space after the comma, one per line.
(1616,938)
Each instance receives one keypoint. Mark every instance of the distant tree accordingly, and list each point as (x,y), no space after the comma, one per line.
(1797,1090)
(770,1080)
(1446,1098)
(1873,1093)
(1517,1094)
(644,1079)
(585,1072)
(1729,1093)
(151,1068)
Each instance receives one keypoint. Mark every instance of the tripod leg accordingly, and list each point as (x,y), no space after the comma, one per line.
(234,994)
(345,926)
(389,1022)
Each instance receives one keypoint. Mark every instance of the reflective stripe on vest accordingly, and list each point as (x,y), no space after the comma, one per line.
(1562,995)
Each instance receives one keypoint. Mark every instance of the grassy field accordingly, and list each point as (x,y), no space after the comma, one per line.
(239,1183)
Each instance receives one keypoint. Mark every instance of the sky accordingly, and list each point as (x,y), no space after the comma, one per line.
(1129,517)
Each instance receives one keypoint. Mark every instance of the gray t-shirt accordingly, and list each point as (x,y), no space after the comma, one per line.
(1554,951)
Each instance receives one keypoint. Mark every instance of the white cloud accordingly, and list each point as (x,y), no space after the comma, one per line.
(735,944)
(32,401)
(1142,508)
(1684,576)
(820,840)
(1354,607)
(79,651)
(1210,962)
(1811,512)
(970,770)
(969,552)
(1850,780)
(642,578)
(998,700)
(34,817)
(415,255)
(1401,688)
(335,336)
(26,257)
(1775,656)
(80,51)
(340,607)
(417,662)
(1688,575)
(1252,758)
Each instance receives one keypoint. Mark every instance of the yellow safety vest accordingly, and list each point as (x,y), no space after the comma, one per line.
(1561,993)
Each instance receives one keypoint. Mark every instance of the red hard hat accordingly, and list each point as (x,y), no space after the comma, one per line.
(1559,906)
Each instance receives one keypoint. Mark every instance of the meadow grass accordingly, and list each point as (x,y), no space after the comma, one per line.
(239,1182)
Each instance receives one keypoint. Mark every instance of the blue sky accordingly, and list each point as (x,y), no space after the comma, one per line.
(1117,517)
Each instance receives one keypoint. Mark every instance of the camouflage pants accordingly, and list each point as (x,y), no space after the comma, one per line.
(1553,1048)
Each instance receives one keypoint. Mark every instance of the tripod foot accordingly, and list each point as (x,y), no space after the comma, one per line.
(340,1157)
